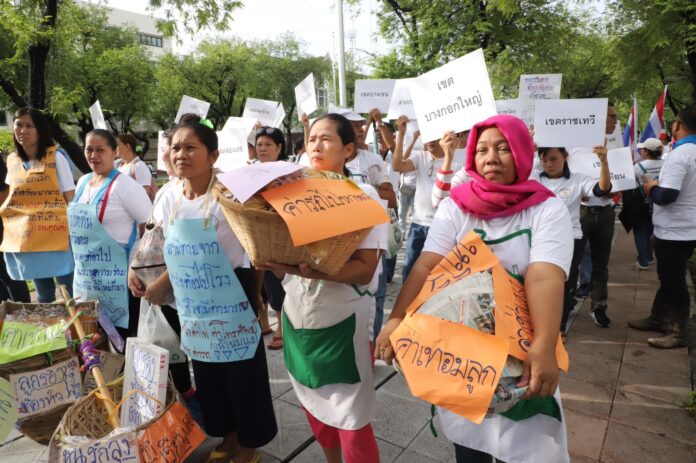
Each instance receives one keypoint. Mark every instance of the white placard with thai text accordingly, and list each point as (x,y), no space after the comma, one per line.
(524,109)
(306,96)
(570,123)
(246,181)
(373,93)
(243,123)
(453,97)
(540,86)
(144,382)
(583,161)
(190,105)
(401,102)
(42,390)
(263,111)
(119,446)
(232,145)
(97,116)
(279,116)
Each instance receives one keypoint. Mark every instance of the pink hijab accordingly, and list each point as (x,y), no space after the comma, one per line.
(489,200)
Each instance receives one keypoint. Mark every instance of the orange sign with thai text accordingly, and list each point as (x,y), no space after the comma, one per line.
(171,438)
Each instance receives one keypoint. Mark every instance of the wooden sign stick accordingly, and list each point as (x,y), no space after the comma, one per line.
(96,371)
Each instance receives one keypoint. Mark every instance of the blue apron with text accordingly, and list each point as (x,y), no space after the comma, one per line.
(218,323)
(101,263)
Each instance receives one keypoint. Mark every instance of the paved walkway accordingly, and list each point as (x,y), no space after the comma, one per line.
(621,397)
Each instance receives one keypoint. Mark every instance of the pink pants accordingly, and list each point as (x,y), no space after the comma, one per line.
(357,446)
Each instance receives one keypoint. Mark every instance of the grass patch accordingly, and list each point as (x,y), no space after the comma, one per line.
(690,404)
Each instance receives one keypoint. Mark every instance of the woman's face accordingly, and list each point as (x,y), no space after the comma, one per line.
(325,148)
(99,154)
(123,150)
(493,157)
(190,157)
(267,149)
(25,132)
(552,162)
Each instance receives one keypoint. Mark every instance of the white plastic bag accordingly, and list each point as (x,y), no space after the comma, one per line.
(153,327)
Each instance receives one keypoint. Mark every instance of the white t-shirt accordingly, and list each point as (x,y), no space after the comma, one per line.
(127,203)
(571,191)
(138,170)
(369,168)
(66,182)
(193,209)
(677,221)
(541,233)
(426,173)
(651,167)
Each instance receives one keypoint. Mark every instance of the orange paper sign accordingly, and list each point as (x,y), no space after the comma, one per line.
(319,208)
(171,438)
(450,364)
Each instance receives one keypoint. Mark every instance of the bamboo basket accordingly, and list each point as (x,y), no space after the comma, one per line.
(265,238)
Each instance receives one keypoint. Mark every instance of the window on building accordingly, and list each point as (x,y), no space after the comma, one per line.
(150,41)
(322,99)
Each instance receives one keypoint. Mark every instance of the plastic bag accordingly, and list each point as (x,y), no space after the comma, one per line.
(153,327)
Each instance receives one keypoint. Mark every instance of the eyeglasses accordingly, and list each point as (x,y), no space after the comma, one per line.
(267,131)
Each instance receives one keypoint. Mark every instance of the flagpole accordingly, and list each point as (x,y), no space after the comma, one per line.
(341,57)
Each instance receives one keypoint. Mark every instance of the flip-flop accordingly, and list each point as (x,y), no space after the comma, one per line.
(218,455)
(256,459)
(276,343)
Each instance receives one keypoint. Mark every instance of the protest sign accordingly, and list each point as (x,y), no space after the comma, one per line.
(570,123)
(583,161)
(615,140)
(373,93)
(21,340)
(171,438)
(540,86)
(246,181)
(117,447)
(411,130)
(453,97)
(401,103)
(279,116)
(232,145)
(8,409)
(319,208)
(42,390)
(306,97)
(190,105)
(95,112)
(239,123)
(264,111)
(144,382)
(161,147)
(524,109)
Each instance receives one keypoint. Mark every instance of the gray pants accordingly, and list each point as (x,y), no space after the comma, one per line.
(598,228)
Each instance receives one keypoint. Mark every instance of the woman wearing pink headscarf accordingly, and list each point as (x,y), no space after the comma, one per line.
(530,231)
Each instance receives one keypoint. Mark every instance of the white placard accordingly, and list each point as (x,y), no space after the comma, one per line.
(453,97)
(119,446)
(42,390)
(411,129)
(540,86)
(570,123)
(190,105)
(306,97)
(373,93)
(234,153)
(401,103)
(97,116)
(239,123)
(263,111)
(524,109)
(583,161)
(615,140)
(246,181)
(146,371)
(161,146)
(280,115)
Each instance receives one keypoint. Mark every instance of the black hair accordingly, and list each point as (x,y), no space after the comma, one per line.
(130,140)
(205,134)
(657,154)
(543,151)
(276,135)
(298,146)
(687,118)
(42,129)
(106,135)
(344,129)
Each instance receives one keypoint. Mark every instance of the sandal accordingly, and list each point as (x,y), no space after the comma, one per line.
(276,343)
(219,455)
(266,331)
(255,459)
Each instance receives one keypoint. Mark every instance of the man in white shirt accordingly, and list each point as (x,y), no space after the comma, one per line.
(674,218)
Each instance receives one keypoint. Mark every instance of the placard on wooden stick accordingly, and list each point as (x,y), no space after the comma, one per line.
(144,382)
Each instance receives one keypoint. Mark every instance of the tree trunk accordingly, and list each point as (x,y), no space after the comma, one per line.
(68,144)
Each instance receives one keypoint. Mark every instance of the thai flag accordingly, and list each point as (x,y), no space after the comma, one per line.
(657,121)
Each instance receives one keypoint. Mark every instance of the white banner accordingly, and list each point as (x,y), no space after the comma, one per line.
(232,145)
(239,123)
(453,97)
(190,105)
(401,102)
(263,111)
(279,116)
(584,161)
(306,97)
(540,86)
(373,93)
(146,371)
(97,116)
(570,123)
(161,146)
(524,109)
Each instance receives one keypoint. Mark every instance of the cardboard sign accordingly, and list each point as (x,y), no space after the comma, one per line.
(401,103)
(172,438)
(8,409)
(144,382)
(621,171)
(453,97)
(116,447)
(246,181)
(190,105)
(21,340)
(540,86)
(111,367)
(263,111)
(524,109)
(234,153)
(279,117)
(306,97)
(43,390)
(95,112)
(161,147)
(318,208)
(246,124)
(373,93)
(569,123)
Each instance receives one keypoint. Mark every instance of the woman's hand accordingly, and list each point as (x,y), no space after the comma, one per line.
(157,290)
(304,119)
(416,135)
(649,185)
(449,143)
(383,347)
(375,115)
(601,152)
(136,286)
(540,372)
(401,124)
